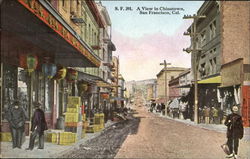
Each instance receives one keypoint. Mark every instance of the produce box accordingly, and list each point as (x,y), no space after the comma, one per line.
(67,138)
(74,101)
(72,110)
(90,129)
(71,117)
(6,136)
(52,137)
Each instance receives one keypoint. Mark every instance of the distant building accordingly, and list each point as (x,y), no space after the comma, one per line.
(162,83)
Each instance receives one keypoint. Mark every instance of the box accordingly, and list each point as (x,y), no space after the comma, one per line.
(52,137)
(74,101)
(71,117)
(67,138)
(72,110)
(6,136)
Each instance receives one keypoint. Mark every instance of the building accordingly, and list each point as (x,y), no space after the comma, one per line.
(151,91)
(43,40)
(235,69)
(223,62)
(162,82)
(121,90)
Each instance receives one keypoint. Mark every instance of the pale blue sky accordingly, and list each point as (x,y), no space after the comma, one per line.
(143,41)
(133,24)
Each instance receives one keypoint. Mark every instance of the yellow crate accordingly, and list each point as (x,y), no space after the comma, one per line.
(52,137)
(6,136)
(83,117)
(67,138)
(90,129)
(74,101)
(71,117)
(72,110)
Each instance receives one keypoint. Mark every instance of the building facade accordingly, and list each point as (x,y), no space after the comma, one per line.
(162,82)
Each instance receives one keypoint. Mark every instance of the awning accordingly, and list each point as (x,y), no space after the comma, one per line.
(40,25)
(185,86)
(211,80)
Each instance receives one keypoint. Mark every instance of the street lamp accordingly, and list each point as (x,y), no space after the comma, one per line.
(166,81)
(194,50)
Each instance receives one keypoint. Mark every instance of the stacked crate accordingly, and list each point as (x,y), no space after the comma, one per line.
(102,123)
(67,138)
(84,125)
(73,118)
(5,136)
(52,137)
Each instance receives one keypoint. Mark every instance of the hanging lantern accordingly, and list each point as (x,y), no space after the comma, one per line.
(28,62)
(105,96)
(32,62)
(49,70)
(72,75)
(61,73)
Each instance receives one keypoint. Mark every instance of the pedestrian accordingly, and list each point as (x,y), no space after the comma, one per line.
(235,131)
(215,114)
(221,114)
(201,114)
(16,117)
(38,126)
(207,114)
(163,107)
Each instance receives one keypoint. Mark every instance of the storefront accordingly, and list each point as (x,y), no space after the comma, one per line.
(235,87)
(32,35)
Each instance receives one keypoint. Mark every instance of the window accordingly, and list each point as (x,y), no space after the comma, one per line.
(215,65)
(63,3)
(211,67)
(203,38)
(214,50)
(212,30)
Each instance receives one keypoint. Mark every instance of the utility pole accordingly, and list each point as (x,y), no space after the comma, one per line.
(165,80)
(194,51)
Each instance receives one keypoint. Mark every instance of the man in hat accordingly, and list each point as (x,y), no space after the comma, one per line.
(235,131)
(16,117)
(38,126)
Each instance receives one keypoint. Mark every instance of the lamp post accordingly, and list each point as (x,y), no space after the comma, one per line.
(165,81)
(194,50)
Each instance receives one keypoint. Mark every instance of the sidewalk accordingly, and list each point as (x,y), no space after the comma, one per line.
(214,127)
(50,150)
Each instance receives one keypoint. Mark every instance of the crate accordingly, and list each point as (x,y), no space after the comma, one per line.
(72,110)
(74,101)
(5,136)
(90,129)
(71,117)
(83,117)
(52,137)
(67,138)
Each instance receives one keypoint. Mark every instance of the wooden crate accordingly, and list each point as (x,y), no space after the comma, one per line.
(52,137)
(6,136)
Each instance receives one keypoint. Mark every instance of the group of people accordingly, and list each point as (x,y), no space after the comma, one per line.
(157,107)
(210,115)
(17,116)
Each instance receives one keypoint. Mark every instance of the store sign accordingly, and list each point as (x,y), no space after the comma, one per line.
(229,77)
(36,8)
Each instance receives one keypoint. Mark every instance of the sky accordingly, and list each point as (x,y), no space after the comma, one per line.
(143,41)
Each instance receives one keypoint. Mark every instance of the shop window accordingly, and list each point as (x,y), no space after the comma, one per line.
(23,89)
(10,88)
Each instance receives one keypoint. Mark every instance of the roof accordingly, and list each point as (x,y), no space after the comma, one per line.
(169,69)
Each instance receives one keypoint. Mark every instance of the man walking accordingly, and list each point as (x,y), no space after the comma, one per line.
(16,118)
(235,131)
(38,127)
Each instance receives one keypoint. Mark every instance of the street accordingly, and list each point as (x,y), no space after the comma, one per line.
(155,137)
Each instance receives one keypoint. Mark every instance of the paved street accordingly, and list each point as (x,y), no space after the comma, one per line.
(159,137)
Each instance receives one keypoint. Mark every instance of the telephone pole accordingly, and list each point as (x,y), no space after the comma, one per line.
(165,80)
(194,51)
